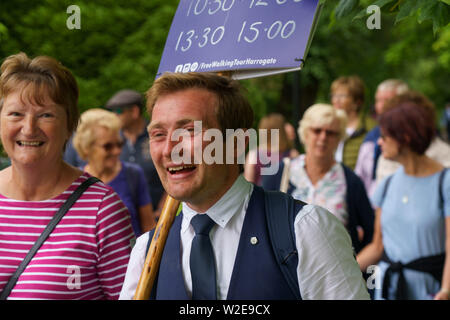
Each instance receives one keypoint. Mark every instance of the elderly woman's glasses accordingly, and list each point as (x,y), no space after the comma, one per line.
(339,96)
(110,145)
(329,133)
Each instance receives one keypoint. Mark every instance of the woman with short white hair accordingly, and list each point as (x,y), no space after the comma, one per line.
(316,178)
(98,141)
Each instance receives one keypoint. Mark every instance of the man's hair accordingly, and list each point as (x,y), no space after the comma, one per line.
(233,110)
(397,85)
(409,118)
(124,99)
(39,78)
(355,87)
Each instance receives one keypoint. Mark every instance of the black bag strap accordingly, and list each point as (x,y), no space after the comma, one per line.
(281,210)
(44,235)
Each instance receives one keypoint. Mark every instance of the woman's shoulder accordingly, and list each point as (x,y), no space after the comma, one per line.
(397,179)
(350,176)
(298,161)
(98,188)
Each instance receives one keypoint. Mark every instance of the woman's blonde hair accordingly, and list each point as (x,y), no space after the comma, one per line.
(322,114)
(93,118)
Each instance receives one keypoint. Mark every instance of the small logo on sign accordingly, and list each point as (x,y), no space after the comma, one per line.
(187,67)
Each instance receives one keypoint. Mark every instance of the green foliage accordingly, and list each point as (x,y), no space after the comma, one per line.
(119,44)
(344,8)
(413,44)
(121,41)
(436,11)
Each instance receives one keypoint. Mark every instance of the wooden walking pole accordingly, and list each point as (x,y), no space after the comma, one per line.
(155,251)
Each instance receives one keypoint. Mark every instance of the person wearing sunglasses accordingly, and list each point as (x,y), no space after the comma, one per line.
(98,141)
(315,177)
(128,104)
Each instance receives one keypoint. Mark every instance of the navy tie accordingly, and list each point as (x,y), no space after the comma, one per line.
(203,266)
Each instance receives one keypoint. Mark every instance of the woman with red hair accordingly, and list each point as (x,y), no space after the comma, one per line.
(411,239)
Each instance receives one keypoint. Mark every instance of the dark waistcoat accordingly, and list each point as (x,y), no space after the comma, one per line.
(256,274)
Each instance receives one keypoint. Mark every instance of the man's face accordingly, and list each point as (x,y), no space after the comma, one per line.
(128,116)
(322,140)
(342,99)
(200,185)
(381,97)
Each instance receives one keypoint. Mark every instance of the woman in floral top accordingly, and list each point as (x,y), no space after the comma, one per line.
(316,177)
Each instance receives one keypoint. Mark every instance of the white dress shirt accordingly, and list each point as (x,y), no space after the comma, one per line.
(326,269)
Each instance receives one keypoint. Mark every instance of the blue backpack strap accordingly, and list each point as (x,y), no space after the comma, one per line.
(386,185)
(281,210)
(441,189)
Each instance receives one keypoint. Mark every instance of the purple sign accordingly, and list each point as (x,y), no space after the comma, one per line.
(249,37)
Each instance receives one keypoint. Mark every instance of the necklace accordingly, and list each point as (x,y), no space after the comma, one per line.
(408,192)
(405,199)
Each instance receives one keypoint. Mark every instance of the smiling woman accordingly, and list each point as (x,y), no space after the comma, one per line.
(98,141)
(85,255)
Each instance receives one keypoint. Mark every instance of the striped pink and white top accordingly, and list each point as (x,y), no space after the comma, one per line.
(86,255)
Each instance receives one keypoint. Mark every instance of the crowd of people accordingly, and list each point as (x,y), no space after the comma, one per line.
(370,193)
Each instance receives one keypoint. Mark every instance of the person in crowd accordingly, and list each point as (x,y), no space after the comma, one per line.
(262,155)
(316,177)
(439,150)
(370,151)
(129,106)
(412,225)
(217,196)
(347,93)
(97,140)
(86,254)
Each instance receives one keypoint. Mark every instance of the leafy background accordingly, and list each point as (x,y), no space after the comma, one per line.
(121,41)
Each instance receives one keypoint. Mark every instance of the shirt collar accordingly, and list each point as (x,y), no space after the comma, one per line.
(224,209)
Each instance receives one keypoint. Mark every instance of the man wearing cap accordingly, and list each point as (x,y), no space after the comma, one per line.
(128,105)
